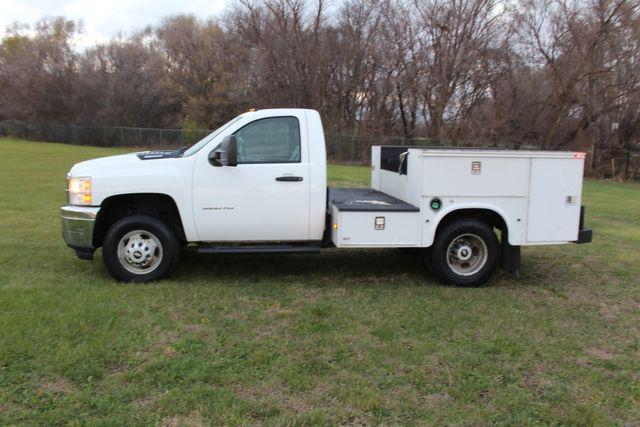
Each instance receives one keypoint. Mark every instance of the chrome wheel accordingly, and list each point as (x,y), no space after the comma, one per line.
(139,252)
(467,254)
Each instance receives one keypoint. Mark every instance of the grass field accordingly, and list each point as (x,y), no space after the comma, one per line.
(344,337)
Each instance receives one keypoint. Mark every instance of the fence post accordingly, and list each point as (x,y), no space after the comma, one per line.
(627,160)
(351,157)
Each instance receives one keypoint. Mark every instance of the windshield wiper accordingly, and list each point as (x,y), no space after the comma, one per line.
(180,151)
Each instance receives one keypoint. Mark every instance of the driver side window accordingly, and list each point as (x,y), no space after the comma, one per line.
(270,140)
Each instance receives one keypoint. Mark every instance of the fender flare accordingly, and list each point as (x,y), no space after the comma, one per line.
(442,215)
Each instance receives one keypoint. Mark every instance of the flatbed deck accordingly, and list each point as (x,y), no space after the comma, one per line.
(367,200)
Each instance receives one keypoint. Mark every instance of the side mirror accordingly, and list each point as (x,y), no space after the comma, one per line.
(226,154)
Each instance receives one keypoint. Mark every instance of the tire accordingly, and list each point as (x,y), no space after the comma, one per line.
(144,238)
(466,252)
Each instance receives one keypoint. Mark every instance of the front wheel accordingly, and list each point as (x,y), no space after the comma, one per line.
(466,252)
(140,248)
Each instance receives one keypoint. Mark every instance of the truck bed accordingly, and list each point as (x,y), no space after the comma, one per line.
(367,200)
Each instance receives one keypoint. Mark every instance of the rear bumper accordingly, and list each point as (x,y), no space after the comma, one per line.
(585,235)
(77,229)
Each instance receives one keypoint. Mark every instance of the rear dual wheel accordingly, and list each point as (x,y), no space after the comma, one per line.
(465,252)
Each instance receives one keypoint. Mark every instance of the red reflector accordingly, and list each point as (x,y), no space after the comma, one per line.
(579,155)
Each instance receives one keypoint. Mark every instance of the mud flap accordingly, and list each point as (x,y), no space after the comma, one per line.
(510,260)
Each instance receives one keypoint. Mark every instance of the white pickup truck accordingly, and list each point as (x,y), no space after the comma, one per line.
(258,184)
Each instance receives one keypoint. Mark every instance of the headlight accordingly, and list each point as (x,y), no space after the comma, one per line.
(79,191)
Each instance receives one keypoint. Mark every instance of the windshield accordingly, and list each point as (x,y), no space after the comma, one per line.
(198,145)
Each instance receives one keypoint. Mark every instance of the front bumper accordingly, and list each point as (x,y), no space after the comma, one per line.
(77,229)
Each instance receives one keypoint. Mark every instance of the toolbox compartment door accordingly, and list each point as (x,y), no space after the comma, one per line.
(554,200)
(363,229)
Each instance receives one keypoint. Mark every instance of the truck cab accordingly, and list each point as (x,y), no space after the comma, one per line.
(259,184)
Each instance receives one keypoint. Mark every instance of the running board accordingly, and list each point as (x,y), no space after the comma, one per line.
(275,249)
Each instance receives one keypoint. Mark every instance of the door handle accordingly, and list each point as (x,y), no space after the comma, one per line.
(289,178)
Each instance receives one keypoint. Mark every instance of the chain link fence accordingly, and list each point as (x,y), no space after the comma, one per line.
(611,163)
(357,149)
(105,136)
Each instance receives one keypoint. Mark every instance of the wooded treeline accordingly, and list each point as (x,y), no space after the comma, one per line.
(546,73)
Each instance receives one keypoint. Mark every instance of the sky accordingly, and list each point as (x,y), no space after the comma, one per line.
(104,19)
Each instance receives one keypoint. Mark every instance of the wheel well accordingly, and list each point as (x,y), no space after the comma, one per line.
(492,218)
(160,206)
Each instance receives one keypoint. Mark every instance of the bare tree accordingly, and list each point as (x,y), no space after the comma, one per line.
(456,35)
(202,68)
(37,73)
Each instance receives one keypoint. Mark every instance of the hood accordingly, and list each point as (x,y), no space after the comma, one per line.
(88,167)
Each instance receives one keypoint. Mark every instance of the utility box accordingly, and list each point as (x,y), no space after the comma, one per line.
(537,194)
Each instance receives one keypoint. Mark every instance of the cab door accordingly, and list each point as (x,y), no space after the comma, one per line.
(266,196)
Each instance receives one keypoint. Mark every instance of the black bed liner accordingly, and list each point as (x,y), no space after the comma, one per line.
(367,200)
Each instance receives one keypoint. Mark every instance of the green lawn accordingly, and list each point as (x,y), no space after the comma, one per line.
(343,337)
